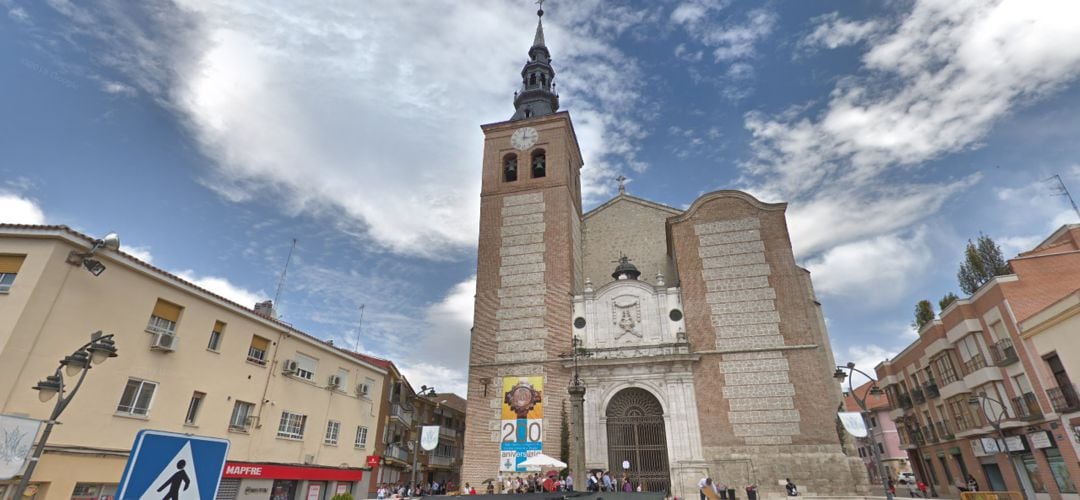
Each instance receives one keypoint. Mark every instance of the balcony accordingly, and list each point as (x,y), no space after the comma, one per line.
(931,389)
(976,363)
(929,434)
(397,452)
(399,412)
(905,401)
(918,396)
(1027,407)
(1064,399)
(943,431)
(437,461)
(1003,353)
(447,432)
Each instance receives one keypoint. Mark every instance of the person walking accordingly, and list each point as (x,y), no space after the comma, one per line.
(569,482)
(608,485)
(913,489)
(792,490)
(708,491)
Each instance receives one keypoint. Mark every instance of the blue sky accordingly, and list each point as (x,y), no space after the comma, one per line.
(209,134)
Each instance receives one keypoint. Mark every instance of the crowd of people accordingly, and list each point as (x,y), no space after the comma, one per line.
(406,490)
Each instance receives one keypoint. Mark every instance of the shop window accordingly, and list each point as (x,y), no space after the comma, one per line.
(241,417)
(164,318)
(137,397)
(291,425)
(257,350)
(215,336)
(1060,471)
(1032,469)
(333,428)
(9,267)
(193,407)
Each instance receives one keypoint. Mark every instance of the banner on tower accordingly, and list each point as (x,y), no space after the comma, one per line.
(521,434)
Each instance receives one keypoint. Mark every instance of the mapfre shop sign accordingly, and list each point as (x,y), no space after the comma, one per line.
(241,470)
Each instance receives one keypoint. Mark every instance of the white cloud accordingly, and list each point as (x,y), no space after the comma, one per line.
(19,15)
(111,87)
(865,357)
(357,108)
(877,270)
(140,252)
(832,31)
(224,288)
(728,41)
(16,209)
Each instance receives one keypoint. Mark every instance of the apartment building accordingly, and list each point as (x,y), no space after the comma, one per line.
(298,411)
(443,464)
(985,393)
(392,456)
(883,435)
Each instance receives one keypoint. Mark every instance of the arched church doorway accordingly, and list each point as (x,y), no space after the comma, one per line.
(635,432)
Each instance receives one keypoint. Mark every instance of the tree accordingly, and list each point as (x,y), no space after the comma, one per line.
(982,261)
(564,439)
(949,298)
(924,313)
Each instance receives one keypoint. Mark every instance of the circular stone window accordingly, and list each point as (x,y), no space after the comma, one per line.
(675,315)
(579,322)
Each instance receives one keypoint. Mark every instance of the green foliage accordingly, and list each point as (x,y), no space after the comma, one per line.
(342,496)
(982,261)
(564,440)
(924,313)
(949,298)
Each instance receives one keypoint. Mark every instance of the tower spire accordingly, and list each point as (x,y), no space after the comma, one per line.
(537,96)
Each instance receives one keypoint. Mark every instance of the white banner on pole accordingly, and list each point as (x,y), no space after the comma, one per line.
(429,438)
(853,423)
(16,441)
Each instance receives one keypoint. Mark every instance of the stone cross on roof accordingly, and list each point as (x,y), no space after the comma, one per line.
(622,183)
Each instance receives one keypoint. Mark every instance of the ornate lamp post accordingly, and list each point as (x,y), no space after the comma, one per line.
(577,413)
(100,348)
(848,371)
(981,400)
(424,391)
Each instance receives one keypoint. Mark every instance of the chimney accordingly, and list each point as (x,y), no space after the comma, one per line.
(266,309)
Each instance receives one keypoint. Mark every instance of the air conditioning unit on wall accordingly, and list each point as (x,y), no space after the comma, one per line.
(335,381)
(288,367)
(164,342)
(362,389)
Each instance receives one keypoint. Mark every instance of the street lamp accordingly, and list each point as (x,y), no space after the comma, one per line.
(424,391)
(981,400)
(848,371)
(100,348)
(111,241)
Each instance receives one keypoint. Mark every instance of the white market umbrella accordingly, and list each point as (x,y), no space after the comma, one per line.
(543,461)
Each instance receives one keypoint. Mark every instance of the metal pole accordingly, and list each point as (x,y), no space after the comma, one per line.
(873,442)
(996,424)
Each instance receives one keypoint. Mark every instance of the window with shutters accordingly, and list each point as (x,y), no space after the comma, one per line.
(137,397)
(9,267)
(257,350)
(241,416)
(305,366)
(291,425)
(164,318)
(193,407)
(215,336)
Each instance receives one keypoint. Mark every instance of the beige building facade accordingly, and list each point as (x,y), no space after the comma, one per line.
(300,414)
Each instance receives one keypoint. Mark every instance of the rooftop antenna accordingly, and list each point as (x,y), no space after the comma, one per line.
(281,281)
(1059,189)
(359,329)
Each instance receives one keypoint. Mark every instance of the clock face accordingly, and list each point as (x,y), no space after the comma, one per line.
(524,138)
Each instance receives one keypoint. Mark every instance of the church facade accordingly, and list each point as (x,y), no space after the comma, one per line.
(701,345)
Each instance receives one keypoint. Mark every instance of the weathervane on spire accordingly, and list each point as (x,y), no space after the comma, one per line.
(540,4)
(621,178)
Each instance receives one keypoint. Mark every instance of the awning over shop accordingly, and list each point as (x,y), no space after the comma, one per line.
(248,470)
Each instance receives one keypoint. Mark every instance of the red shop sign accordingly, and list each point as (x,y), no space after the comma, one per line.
(373,460)
(243,470)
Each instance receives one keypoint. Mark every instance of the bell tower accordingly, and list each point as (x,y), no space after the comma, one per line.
(528,267)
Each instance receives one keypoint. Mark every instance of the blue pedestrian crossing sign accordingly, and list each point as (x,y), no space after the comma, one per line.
(171,466)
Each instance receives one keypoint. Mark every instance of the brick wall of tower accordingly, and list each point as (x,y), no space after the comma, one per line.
(764,388)
(528,263)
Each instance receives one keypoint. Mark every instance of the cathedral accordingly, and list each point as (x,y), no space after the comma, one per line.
(698,340)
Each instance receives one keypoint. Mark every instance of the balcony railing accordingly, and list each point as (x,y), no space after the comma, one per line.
(397,452)
(1003,353)
(943,431)
(931,389)
(441,461)
(447,432)
(399,412)
(976,363)
(918,396)
(929,434)
(905,401)
(1064,399)
(1027,407)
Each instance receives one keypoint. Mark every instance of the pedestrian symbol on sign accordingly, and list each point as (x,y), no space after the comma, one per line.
(168,466)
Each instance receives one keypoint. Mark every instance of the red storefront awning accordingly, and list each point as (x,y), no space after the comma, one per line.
(247,470)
